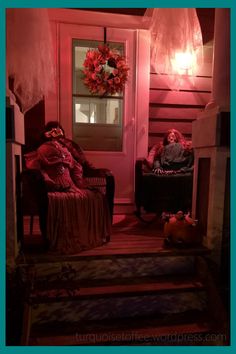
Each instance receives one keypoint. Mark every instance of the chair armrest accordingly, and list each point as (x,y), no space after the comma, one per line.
(138,183)
(110,191)
(33,181)
(139,165)
(105,181)
(139,170)
(34,195)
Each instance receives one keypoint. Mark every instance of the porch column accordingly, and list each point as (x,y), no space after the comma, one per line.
(221,62)
(14,141)
(211,146)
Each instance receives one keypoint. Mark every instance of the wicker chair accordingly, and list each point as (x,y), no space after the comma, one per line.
(157,193)
(35,199)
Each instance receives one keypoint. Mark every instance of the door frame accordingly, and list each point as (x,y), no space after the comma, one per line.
(54,103)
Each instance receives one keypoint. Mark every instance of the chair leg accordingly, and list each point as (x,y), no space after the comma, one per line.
(31,224)
(138,214)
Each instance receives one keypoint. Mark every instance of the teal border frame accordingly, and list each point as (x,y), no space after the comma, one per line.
(104,3)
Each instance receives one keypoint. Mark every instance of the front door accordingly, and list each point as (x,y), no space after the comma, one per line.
(105,128)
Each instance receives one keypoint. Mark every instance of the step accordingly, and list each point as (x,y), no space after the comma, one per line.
(108,268)
(156,331)
(151,335)
(118,307)
(111,250)
(134,287)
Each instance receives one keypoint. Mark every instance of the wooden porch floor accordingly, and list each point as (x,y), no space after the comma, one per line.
(129,236)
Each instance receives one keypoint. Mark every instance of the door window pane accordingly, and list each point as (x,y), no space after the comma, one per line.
(88,109)
(97,111)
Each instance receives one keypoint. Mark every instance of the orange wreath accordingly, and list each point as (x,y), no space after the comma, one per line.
(105,71)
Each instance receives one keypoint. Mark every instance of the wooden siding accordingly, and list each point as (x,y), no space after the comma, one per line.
(177,109)
(194,99)
(158,112)
(199,83)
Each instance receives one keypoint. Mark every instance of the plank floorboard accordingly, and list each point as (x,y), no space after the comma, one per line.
(129,236)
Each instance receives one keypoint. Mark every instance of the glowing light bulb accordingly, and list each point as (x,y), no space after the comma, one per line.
(184,61)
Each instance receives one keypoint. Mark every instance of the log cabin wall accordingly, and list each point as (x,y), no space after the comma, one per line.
(177,109)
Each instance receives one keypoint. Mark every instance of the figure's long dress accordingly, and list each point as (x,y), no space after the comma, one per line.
(78,219)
